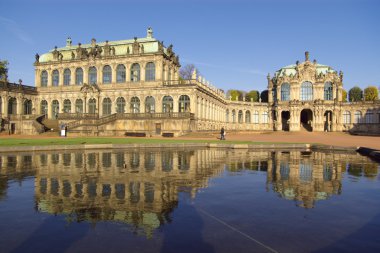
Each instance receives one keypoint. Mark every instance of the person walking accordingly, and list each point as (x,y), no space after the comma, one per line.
(222,132)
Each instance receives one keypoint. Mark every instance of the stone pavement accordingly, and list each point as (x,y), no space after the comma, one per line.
(328,138)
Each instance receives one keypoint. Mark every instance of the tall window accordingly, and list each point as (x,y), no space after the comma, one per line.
(66,77)
(55,108)
(233,116)
(265,117)
(285,92)
(247,117)
(107,103)
(135,105)
(44,107)
(167,104)
(149,104)
(184,103)
(107,74)
(92,75)
(12,106)
(67,105)
(120,73)
(227,116)
(306,91)
(369,117)
(92,105)
(120,105)
(256,117)
(44,78)
(55,78)
(328,91)
(306,171)
(358,117)
(79,106)
(346,117)
(135,73)
(27,106)
(240,116)
(79,76)
(150,72)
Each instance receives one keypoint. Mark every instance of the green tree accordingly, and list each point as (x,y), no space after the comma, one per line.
(371,93)
(236,95)
(344,95)
(254,95)
(3,70)
(355,94)
(264,96)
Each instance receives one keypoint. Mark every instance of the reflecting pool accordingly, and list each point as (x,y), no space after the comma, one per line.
(189,200)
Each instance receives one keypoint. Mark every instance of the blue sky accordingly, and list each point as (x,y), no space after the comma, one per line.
(234,44)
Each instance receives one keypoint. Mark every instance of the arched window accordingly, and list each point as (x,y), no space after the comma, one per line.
(184,103)
(107,103)
(67,105)
(12,106)
(306,91)
(135,105)
(328,91)
(79,76)
(92,105)
(167,104)
(285,92)
(55,78)
(107,74)
(227,116)
(256,117)
(66,77)
(150,72)
(44,107)
(135,73)
(248,117)
(120,105)
(233,116)
(44,78)
(55,108)
(28,106)
(149,104)
(265,117)
(240,116)
(120,73)
(92,75)
(358,117)
(79,105)
(369,117)
(346,117)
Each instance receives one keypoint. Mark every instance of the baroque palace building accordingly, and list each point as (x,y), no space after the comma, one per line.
(133,87)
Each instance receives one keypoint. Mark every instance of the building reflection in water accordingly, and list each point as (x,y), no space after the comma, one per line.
(136,187)
(140,187)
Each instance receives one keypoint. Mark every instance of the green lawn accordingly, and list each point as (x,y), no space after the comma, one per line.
(107,140)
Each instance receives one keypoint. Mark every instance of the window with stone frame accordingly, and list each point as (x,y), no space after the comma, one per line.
(306,92)
(107,74)
(55,78)
(44,78)
(79,76)
(120,73)
(150,72)
(66,77)
(285,92)
(328,91)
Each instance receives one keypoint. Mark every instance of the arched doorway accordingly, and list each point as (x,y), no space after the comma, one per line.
(285,117)
(307,120)
(327,121)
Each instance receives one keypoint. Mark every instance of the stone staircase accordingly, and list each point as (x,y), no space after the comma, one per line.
(51,125)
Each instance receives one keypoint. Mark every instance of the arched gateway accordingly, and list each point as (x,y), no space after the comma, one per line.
(306,120)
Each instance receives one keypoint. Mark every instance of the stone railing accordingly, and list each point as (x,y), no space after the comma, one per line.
(77,116)
(131,116)
(18,88)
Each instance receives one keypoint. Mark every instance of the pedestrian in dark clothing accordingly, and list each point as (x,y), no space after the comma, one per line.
(222,134)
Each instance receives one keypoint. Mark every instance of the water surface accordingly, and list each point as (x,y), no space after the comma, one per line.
(201,200)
